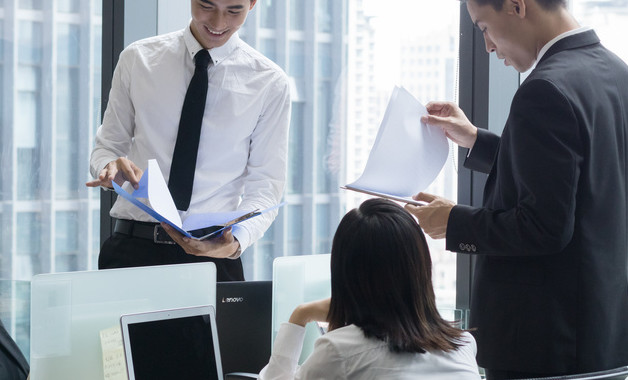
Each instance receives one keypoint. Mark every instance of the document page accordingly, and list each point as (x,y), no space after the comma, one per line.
(159,204)
(407,154)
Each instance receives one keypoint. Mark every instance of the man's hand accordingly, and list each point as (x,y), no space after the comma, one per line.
(120,170)
(450,118)
(218,247)
(310,311)
(433,216)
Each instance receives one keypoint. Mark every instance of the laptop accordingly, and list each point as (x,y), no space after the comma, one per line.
(243,316)
(172,344)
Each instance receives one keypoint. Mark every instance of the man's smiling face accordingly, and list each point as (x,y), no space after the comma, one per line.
(215,21)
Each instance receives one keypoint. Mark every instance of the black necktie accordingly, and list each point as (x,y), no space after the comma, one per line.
(183,165)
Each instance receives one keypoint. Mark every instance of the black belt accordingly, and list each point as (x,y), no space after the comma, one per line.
(152,231)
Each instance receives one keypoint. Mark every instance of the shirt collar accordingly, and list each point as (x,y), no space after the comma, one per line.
(217,54)
(558,38)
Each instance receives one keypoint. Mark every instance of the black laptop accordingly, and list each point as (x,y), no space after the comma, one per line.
(243,318)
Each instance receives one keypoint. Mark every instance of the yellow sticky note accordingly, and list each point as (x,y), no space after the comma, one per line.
(113,363)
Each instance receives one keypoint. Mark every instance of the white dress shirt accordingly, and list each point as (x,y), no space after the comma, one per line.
(242,152)
(345,353)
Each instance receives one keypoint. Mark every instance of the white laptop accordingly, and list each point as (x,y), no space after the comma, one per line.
(172,344)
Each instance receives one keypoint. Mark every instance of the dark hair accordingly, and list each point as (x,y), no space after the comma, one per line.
(548,5)
(381,280)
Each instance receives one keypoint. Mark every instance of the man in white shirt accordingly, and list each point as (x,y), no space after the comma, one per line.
(241,160)
(550,287)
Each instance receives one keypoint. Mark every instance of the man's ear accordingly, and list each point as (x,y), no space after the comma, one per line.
(252,4)
(517,8)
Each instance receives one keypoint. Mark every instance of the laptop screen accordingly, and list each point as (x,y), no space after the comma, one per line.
(172,344)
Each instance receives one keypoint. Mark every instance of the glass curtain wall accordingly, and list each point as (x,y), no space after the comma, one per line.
(344,58)
(50,58)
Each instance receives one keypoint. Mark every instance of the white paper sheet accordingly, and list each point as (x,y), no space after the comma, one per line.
(407,154)
(153,188)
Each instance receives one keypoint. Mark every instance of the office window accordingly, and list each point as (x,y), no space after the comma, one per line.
(297,14)
(95,232)
(296,64)
(296,150)
(343,67)
(267,13)
(27,136)
(66,241)
(53,81)
(609,19)
(324,229)
(324,16)
(295,230)
(266,251)
(30,257)
(267,47)
(323,148)
(68,178)
(68,6)
(30,4)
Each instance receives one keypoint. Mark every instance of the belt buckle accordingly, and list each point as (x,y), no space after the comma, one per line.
(161,237)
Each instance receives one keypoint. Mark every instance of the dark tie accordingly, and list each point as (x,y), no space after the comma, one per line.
(183,165)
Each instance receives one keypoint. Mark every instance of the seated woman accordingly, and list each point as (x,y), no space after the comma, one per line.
(383,321)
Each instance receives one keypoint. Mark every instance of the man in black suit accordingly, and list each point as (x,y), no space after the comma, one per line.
(13,365)
(550,291)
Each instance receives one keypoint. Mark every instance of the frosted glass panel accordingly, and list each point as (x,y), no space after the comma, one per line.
(296,280)
(68,310)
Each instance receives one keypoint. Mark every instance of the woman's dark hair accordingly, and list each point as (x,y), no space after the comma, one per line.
(381,280)
(548,5)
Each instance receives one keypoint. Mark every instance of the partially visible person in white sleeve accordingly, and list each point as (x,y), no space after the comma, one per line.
(383,321)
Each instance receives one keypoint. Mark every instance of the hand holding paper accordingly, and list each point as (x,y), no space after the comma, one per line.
(153,187)
(407,154)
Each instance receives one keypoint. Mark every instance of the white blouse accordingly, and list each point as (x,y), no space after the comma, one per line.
(345,353)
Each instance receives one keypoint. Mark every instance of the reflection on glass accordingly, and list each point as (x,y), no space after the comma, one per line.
(98,7)
(324,232)
(68,6)
(296,64)
(296,150)
(67,181)
(267,13)
(267,47)
(323,117)
(30,4)
(54,114)
(295,230)
(297,14)
(324,14)
(1,38)
(95,235)
(28,238)
(324,60)
(29,42)
(66,241)
(266,251)
(27,133)
(68,39)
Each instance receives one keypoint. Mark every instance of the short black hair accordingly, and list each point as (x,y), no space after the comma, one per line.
(381,280)
(545,4)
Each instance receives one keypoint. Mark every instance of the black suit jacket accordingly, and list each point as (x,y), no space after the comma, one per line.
(550,291)
(13,365)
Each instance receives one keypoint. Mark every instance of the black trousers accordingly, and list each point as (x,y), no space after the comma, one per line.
(123,251)
(495,374)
